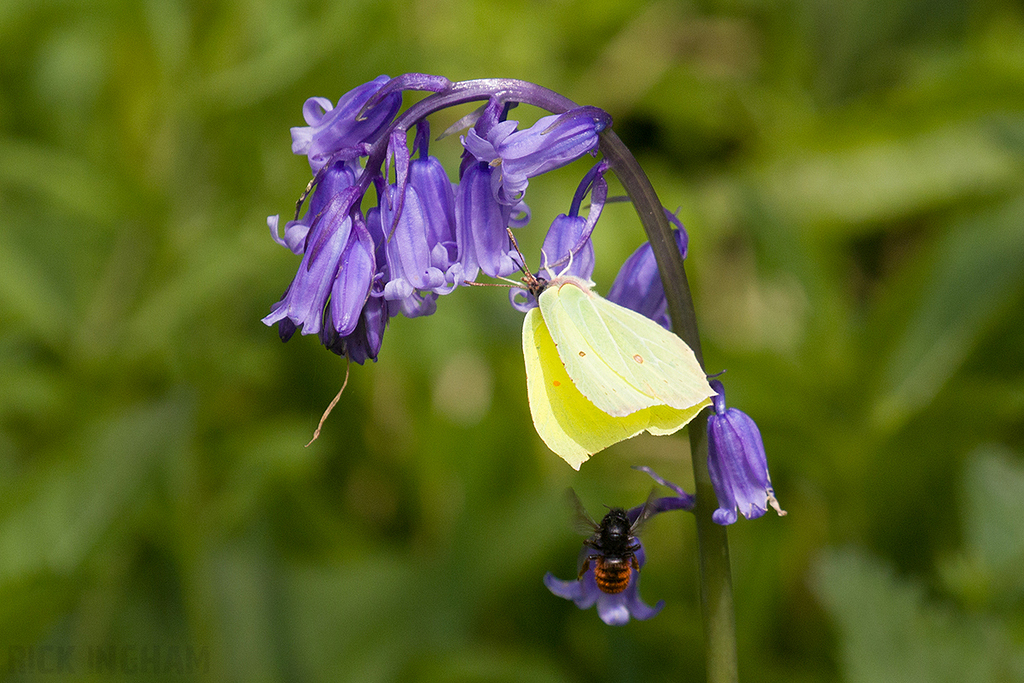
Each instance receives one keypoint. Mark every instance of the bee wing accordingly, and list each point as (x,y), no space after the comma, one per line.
(581,519)
(643,513)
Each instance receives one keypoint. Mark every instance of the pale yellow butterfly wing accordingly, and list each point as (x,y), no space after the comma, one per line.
(622,361)
(578,352)
(570,424)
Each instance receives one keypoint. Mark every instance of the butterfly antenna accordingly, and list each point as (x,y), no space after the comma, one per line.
(522,259)
(512,283)
(323,418)
(530,278)
(544,263)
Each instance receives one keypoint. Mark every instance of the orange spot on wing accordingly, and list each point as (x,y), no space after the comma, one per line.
(638,358)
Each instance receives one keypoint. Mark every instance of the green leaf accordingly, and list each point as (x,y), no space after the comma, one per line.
(57,518)
(978,271)
(890,631)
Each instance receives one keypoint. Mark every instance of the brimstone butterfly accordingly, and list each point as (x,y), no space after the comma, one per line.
(598,373)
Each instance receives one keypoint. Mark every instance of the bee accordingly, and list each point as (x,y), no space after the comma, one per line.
(614,542)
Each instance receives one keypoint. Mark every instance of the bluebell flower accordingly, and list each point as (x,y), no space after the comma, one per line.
(481,221)
(332,181)
(342,132)
(330,235)
(568,249)
(737,464)
(616,609)
(422,250)
(365,340)
(518,155)
(637,285)
(414,304)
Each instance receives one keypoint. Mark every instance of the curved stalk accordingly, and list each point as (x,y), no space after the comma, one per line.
(716,599)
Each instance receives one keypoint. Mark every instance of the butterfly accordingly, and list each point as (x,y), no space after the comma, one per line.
(598,373)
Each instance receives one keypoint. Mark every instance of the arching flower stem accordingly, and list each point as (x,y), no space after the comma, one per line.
(717,609)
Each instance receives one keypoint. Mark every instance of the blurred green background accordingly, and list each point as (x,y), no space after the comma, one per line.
(851,176)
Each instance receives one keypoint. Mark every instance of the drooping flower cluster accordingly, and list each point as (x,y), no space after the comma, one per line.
(424,235)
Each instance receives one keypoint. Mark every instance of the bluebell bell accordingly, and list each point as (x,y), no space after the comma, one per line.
(332,182)
(481,222)
(365,340)
(518,155)
(637,286)
(737,463)
(327,238)
(437,195)
(568,249)
(408,251)
(419,215)
(342,132)
(616,609)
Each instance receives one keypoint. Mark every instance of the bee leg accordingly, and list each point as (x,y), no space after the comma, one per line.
(636,565)
(583,569)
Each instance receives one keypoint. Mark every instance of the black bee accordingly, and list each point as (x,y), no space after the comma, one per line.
(614,542)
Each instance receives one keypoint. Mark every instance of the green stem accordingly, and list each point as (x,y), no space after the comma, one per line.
(712,543)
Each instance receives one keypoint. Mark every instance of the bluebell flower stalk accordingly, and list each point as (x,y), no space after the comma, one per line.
(716,596)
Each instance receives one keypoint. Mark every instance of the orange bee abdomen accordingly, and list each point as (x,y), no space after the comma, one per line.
(612,576)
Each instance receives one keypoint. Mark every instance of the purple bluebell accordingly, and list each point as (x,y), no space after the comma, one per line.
(358,331)
(365,340)
(343,132)
(332,181)
(567,248)
(638,284)
(327,240)
(614,609)
(481,222)
(737,463)
(422,251)
(518,155)
(411,304)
